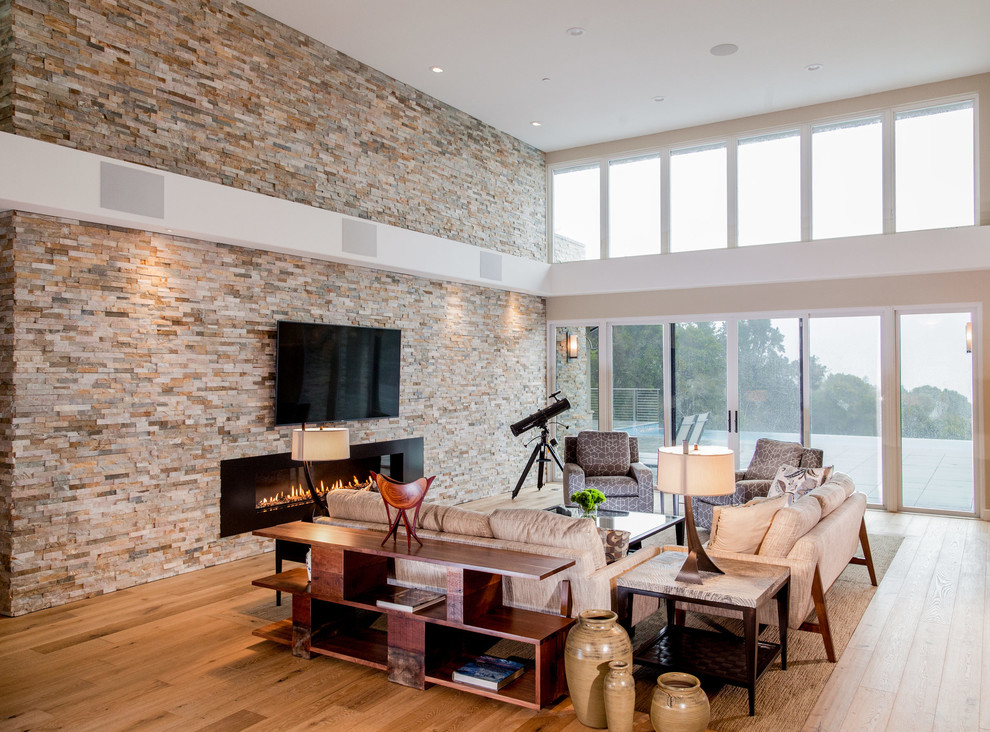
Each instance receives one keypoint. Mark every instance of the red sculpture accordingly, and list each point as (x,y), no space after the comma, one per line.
(402,497)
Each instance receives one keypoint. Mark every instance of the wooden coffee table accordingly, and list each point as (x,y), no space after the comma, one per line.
(640,525)
(745,586)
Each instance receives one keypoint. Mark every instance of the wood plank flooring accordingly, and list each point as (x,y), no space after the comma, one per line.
(179,654)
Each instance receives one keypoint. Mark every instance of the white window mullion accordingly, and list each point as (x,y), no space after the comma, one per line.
(890,381)
(806,212)
(604,376)
(732,382)
(889,215)
(603,171)
(665,201)
(732,194)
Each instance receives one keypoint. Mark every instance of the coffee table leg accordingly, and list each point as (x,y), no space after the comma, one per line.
(783,614)
(679,532)
(749,621)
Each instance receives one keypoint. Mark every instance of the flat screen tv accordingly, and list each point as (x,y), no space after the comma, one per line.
(331,373)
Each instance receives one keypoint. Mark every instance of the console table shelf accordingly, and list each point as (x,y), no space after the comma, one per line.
(332,614)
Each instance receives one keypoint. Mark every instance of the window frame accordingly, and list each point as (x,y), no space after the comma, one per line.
(887,116)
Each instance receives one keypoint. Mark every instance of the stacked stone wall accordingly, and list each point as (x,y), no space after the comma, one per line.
(6,67)
(6,402)
(144,360)
(215,90)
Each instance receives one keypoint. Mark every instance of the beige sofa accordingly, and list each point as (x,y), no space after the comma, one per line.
(591,581)
(816,537)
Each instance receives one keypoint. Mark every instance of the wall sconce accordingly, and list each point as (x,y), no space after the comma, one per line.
(969,337)
(571,341)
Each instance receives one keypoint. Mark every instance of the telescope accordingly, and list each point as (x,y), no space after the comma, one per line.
(544,449)
(541,417)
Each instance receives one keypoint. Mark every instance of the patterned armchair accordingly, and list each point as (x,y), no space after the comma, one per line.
(608,461)
(754,481)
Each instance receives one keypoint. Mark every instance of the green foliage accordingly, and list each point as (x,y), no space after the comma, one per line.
(588,498)
(930,412)
(769,384)
(842,404)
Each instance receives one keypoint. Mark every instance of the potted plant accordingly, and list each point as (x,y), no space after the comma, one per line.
(588,499)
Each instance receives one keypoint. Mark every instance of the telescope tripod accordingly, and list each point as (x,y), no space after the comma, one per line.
(539,455)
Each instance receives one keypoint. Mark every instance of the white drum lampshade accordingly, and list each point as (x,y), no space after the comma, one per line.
(702,471)
(317,445)
(696,471)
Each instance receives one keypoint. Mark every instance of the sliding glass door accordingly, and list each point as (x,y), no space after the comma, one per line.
(815,379)
(845,398)
(637,386)
(936,400)
(768,365)
(698,383)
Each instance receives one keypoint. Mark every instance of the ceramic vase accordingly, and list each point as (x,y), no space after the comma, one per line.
(591,645)
(679,704)
(620,696)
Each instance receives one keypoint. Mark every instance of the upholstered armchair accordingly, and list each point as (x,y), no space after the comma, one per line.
(754,481)
(608,461)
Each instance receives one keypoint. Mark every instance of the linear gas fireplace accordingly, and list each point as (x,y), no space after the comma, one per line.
(256,492)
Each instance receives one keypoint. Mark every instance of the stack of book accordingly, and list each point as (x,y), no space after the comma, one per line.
(409,599)
(489,672)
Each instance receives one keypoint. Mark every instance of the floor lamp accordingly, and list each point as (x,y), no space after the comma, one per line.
(312,445)
(698,471)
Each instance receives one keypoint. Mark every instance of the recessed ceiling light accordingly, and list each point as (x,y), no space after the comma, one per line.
(657,99)
(814,67)
(436,69)
(536,124)
(545,78)
(724,49)
(575,31)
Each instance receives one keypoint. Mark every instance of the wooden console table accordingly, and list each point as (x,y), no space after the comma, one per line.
(333,614)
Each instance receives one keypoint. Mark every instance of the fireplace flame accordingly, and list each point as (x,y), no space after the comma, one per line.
(300,493)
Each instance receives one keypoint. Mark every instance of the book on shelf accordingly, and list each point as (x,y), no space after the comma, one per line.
(489,672)
(409,599)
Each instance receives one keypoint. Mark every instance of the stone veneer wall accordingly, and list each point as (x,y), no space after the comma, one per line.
(6,400)
(142,360)
(215,90)
(6,69)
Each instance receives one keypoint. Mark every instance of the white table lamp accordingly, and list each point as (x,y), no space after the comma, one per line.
(696,471)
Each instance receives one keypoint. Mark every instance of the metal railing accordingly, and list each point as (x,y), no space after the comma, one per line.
(631,407)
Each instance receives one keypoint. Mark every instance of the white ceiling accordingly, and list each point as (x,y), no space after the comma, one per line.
(601,85)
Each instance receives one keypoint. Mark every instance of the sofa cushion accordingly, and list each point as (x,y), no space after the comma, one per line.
(454,520)
(741,529)
(790,524)
(796,481)
(355,505)
(770,455)
(548,529)
(603,453)
(830,496)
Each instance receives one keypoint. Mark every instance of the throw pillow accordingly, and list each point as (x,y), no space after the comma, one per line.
(797,482)
(603,453)
(740,529)
(616,543)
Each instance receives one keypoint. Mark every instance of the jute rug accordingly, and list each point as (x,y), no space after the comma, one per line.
(783,698)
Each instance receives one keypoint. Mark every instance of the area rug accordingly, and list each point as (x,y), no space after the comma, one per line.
(783,698)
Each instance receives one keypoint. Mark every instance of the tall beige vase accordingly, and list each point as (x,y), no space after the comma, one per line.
(591,644)
(679,704)
(620,696)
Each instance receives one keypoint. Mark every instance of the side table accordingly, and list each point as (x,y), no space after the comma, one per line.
(745,586)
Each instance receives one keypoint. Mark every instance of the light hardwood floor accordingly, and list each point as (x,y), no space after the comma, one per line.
(178,654)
